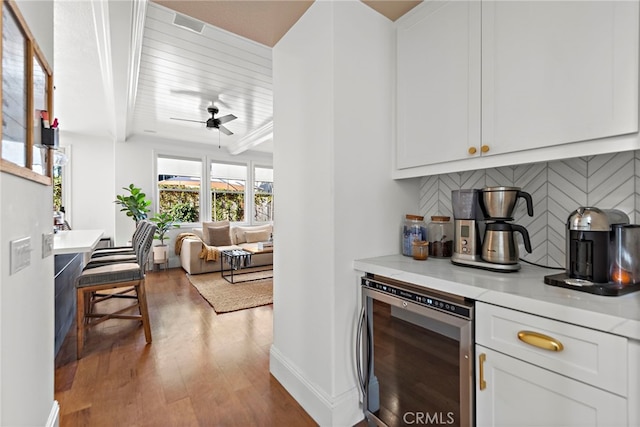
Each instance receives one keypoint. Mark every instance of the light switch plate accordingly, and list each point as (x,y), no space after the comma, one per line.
(20,254)
(47,244)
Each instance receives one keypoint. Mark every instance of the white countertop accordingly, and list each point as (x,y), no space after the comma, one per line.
(74,241)
(523,290)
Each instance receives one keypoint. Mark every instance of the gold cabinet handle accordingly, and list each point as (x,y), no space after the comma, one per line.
(481,359)
(472,150)
(484,148)
(539,340)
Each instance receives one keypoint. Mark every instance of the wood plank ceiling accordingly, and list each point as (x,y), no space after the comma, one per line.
(182,72)
(227,64)
(224,59)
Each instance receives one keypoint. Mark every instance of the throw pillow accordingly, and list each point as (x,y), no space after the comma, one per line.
(218,236)
(216,224)
(241,231)
(216,233)
(257,236)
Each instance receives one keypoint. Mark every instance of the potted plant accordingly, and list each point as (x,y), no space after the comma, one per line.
(135,204)
(164,221)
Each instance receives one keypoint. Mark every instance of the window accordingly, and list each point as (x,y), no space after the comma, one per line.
(239,192)
(27,85)
(179,188)
(60,176)
(57,188)
(228,184)
(263,194)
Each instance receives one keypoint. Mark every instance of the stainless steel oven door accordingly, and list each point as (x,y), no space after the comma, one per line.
(415,356)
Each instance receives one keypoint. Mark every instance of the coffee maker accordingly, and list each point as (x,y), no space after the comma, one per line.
(499,245)
(491,208)
(597,253)
(588,233)
(466,221)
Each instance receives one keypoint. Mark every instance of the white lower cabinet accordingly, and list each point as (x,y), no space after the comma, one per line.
(517,393)
(534,371)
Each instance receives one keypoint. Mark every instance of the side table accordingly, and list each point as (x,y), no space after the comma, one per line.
(159,262)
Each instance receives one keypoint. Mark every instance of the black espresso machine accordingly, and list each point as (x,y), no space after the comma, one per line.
(591,237)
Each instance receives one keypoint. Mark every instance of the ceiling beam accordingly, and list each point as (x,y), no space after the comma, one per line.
(253,139)
(127,19)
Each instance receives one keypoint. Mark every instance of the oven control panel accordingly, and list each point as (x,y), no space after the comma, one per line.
(426,300)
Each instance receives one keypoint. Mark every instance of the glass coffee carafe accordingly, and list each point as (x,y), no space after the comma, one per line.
(624,254)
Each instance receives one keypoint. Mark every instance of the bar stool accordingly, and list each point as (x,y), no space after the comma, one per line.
(124,250)
(125,280)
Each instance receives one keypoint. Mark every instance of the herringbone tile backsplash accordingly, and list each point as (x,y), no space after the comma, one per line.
(606,181)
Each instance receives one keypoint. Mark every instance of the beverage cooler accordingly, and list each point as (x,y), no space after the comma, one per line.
(415,355)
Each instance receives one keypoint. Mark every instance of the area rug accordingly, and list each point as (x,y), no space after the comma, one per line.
(225,297)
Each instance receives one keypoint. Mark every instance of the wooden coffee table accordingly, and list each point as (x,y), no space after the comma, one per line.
(254,249)
(238,265)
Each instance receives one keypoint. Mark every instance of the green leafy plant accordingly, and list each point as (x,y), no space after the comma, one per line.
(164,221)
(184,212)
(135,204)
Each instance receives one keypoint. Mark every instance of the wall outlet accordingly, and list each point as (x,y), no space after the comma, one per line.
(47,244)
(20,254)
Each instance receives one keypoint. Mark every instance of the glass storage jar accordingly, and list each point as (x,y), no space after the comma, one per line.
(440,232)
(413,228)
(420,250)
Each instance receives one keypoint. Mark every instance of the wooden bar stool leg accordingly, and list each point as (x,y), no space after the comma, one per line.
(80,307)
(144,311)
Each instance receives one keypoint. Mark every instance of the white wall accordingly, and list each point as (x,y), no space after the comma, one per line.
(27,297)
(333,74)
(90,173)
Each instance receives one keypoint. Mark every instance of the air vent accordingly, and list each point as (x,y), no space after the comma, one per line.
(188,23)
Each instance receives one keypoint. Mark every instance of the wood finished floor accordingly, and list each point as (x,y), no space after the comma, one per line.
(202,369)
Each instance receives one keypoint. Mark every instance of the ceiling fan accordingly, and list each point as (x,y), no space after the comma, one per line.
(214,122)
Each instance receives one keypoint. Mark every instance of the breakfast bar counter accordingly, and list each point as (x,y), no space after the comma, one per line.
(75,241)
(72,249)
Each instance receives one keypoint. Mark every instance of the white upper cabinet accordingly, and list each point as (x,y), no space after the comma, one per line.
(492,83)
(438,78)
(556,72)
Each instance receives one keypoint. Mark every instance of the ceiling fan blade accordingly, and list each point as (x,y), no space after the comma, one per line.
(227,118)
(187,120)
(225,130)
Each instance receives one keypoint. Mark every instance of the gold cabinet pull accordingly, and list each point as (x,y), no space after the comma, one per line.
(472,150)
(481,359)
(539,340)
(484,148)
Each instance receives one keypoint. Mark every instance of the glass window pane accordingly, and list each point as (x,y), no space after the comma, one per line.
(60,159)
(179,188)
(57,188)
(263,194)
(14,90)
(228,183)
(39,159)
(39,99)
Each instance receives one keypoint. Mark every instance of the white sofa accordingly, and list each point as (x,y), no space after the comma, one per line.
(214,234)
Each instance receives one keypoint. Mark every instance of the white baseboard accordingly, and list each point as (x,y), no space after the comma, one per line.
(54,415)
(342,410)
